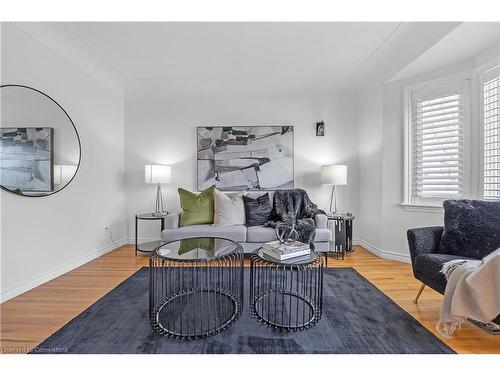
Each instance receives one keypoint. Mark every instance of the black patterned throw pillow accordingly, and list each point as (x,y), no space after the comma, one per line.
(258,211)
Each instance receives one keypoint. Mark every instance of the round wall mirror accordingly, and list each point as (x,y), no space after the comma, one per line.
(39,146)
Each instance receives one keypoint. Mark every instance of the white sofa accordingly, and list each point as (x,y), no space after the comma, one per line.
(250,238)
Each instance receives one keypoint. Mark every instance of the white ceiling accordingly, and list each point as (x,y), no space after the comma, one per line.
(236,50)
(466,42)
(274,59)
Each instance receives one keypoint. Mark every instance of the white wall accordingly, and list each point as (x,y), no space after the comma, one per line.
(44,237)
(383,220)
(161,128)
(370,130)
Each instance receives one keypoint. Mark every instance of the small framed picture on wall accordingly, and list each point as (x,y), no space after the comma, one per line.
(320,129)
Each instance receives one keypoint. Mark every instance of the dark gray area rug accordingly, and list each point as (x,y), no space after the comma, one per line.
(357,318)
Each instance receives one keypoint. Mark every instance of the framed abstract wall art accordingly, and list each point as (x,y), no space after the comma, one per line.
(245,157)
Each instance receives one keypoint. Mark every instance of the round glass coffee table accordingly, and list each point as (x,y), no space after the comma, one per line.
(195,286)
(288,294)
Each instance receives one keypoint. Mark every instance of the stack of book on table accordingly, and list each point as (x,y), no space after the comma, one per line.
(279,251)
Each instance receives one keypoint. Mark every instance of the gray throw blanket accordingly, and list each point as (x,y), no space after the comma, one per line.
(295,207)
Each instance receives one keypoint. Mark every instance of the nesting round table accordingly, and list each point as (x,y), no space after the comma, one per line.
(195,287)
(287,294)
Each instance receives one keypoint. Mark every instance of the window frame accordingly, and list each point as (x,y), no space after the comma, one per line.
(463,80)
(480,73)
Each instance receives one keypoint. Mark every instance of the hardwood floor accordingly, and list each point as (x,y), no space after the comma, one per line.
(33,316)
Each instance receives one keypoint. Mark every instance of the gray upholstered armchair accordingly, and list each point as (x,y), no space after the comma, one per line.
(423,244)
(473,231)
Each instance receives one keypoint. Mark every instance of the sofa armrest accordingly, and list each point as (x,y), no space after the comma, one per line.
(423,241)
(172,221)
(321,221)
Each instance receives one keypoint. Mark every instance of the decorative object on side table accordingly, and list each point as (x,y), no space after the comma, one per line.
(279,251)
(286,246)
(285,232)
(286,294)
(333,174)
(195,287)
(150,246)
(342,234)
(158,174)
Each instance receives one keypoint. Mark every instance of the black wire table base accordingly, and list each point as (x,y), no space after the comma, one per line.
(222,309)
(286,296)
(195,298)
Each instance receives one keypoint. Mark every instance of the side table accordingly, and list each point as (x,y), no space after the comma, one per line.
(150,246)
(195,287)
(342,232)
(286,295)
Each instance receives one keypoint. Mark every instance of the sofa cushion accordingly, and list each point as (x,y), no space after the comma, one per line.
(197,208)
(172,220)
(228,209)
(428,269)
(321,221)
(235,233)
(266,234)
(471,228)
(260,234)
(322,235)
(258,211)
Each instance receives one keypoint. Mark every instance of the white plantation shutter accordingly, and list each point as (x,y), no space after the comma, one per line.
(491,131)
(438,121)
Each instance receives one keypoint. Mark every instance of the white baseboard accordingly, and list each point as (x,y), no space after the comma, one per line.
(382,253)
(14,292)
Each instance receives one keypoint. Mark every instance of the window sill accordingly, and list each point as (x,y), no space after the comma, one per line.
(422,207)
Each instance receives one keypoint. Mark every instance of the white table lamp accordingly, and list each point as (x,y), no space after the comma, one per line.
(333,174)
(63,173)
(158,174)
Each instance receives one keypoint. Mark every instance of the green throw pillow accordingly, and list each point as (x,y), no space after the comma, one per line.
(197,208)
(189,244)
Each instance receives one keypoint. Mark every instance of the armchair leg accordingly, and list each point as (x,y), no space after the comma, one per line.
(419,293)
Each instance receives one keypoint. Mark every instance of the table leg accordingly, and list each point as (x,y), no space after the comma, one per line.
(349,245)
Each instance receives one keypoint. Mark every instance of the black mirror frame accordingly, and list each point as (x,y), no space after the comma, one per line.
(77,137)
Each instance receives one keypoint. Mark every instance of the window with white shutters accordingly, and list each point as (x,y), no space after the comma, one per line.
(491,133)
(438,121)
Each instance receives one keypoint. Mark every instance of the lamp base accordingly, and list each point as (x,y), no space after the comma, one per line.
(159,206)
(332,203)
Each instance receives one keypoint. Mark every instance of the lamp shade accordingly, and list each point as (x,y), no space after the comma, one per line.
(334,174)
(63,173)
(157,174)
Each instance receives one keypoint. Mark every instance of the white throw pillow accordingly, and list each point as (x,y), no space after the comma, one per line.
(228,209)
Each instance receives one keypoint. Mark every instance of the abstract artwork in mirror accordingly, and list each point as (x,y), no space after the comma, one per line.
(26,159)
(245,157)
